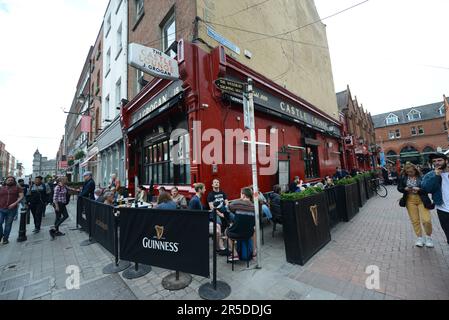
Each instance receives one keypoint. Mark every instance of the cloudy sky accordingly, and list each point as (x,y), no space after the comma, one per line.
(392,53)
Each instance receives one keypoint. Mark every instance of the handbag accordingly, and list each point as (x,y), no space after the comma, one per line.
(402,202)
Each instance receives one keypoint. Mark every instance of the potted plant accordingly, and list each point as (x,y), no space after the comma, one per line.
(360,179)
(305,224)
(347,198)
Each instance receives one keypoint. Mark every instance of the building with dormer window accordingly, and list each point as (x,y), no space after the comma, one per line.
(412,134)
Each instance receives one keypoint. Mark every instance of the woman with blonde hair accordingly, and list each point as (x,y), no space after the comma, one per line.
(417,202)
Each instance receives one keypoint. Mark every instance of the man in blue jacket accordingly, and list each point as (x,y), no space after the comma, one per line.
(436,182)
(88,190)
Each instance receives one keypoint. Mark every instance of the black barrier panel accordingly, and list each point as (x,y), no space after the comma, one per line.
(102,224)
(170,239)
(81,213)
(331,197)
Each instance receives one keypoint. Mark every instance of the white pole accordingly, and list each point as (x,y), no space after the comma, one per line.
(250,104)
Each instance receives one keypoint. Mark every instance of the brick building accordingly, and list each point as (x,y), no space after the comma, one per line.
(411,134)
(359,145)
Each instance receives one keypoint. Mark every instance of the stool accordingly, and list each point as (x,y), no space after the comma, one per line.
(231,255)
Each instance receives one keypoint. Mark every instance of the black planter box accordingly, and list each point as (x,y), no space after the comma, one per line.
(347,201)
(331,198)
(362,192)
(304,236)
(369,189)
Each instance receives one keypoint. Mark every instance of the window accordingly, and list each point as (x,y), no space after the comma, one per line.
(413,131)
(106,108)
(159,167)
(169,35)
(139,76)
(311,162)
(398,133)
(108,25)
(442,110)
(391,135)
(108,62)
(118,93)
(392,119)
(420,130)
(99,51)
(139,8)
(119,40)
(98,82)
(414,115)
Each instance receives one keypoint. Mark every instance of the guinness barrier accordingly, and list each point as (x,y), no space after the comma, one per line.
(84,219)
(170,239)
(103,225)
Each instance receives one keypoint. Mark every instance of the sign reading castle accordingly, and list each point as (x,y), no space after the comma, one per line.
(153,62)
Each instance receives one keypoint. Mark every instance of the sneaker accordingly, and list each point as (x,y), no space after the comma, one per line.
(53,234)
(230,259)
(5,241)
(223,252)
(419,242)
(36,230)
(59,234)
(429,242)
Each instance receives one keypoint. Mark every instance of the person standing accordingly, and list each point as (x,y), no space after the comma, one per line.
(23,203)
(417,202)
(61,192)
(436,182)
(88,189)
(10,196)
(115,182)
(195,202)
(37,201)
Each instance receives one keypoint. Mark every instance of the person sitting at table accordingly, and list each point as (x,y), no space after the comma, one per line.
(244,224)
(181,202)
(165,202)
(109,198)
(142,195)
(328,182)
(115,193)
(99,197)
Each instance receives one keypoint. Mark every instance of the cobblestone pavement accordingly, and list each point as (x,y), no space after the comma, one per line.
(379,235)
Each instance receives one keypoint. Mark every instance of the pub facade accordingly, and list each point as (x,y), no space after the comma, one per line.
(171,129)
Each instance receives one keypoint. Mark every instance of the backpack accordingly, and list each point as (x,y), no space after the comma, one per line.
(67,196)
(245,253)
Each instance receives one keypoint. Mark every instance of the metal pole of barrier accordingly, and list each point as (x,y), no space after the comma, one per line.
(217,290)
(176,281)
(136,272)
(89,241)
(118,265)
(76,218)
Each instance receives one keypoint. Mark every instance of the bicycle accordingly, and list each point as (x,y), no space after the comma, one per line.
(379,188)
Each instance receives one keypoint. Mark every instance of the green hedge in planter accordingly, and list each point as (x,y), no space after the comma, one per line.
(305,224)
(345,181)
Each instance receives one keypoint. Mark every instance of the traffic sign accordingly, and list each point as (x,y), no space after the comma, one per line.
(230,86)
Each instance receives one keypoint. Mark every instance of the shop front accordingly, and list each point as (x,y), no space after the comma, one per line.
(184,131)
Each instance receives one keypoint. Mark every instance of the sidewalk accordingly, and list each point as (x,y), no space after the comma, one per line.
(380,235)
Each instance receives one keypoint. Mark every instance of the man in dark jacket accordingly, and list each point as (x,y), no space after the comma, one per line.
(37,198)
(436,182)
(88,190)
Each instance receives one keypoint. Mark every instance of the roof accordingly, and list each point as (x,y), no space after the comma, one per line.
(428,112)
(342,100)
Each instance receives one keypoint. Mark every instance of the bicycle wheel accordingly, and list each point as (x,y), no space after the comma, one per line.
(381,191)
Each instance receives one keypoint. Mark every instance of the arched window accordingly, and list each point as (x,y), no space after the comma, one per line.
(391,154)
(409,149)
(428,150)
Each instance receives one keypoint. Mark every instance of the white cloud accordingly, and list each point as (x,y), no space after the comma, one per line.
(44,46)
(385,51)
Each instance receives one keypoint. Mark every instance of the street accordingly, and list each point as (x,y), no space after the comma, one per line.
(380,235)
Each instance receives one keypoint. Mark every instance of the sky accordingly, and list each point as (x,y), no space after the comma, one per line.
(392,53)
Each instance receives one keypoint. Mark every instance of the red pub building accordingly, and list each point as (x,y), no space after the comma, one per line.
(167,115)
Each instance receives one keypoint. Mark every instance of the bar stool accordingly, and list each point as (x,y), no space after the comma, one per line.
(231,253)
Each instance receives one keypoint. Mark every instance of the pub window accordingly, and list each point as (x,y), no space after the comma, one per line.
(159,165)
(311,162)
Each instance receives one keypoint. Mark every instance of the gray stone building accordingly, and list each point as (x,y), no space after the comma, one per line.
(42,166)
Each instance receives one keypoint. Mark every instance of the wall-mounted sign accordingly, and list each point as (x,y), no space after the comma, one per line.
(230,86)
(269,102)
(153,61)
(158,101)
(222,40)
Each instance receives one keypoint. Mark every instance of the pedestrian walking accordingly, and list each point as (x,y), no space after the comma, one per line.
(417,202)
(60,197)
(37,198)
(11,194)
(436,182)
(22,203)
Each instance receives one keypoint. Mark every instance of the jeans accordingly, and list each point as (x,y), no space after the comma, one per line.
(38,210)
(7,217)
(267,212)
(444,221)
(418,213)
(61,215)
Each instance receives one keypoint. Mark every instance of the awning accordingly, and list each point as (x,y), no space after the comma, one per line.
(86,162)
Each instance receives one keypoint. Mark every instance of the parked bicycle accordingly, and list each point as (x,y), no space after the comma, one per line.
(379,188)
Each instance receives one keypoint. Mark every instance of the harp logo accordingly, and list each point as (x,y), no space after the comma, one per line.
(159,242)
(159,232)
(314,213)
